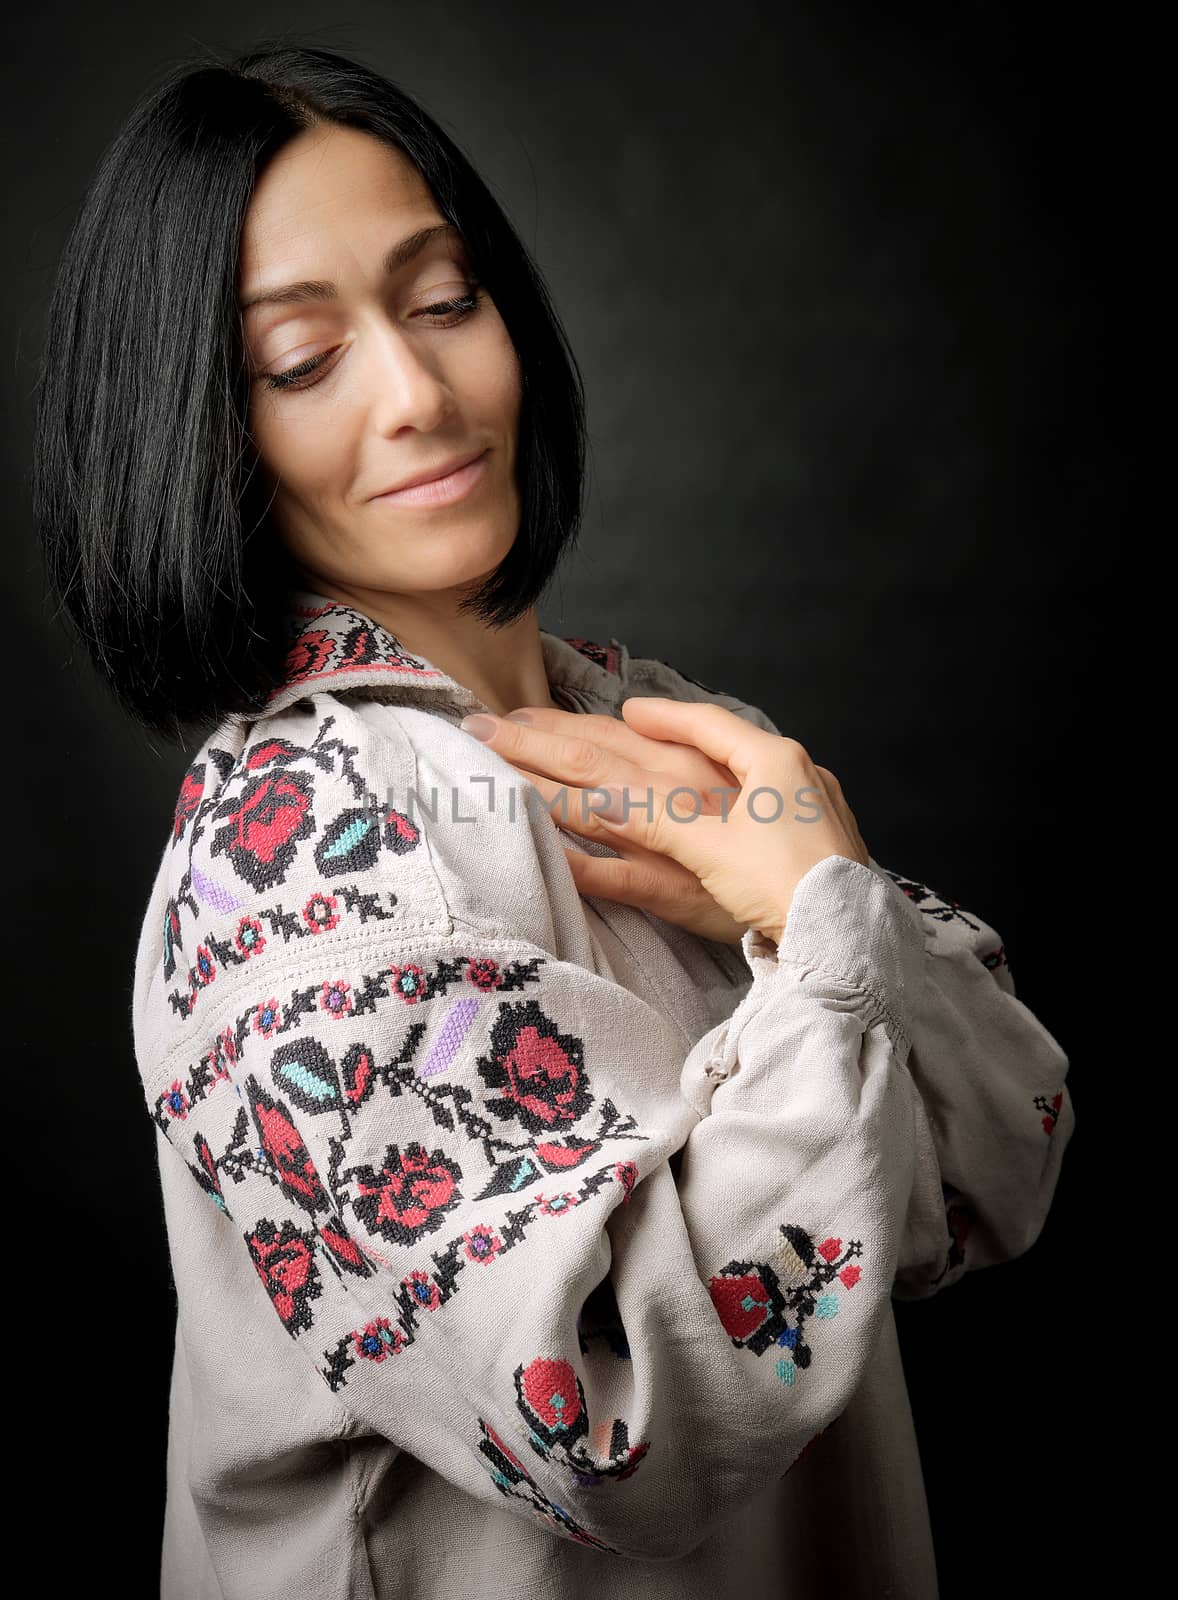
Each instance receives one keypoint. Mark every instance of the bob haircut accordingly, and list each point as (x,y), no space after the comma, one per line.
(151,517)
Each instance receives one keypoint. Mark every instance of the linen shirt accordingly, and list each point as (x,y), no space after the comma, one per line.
(525,1244)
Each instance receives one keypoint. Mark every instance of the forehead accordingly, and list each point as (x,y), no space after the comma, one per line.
(329,186)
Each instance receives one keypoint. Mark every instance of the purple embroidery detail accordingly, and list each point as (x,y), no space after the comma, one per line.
(454,1030)
(212,893)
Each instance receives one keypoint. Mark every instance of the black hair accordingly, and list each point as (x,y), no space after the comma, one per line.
(145,487)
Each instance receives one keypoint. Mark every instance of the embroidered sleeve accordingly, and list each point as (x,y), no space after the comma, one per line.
(523,1235)
(996,1114)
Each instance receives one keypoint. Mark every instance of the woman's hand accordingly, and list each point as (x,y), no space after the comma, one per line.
(753,814)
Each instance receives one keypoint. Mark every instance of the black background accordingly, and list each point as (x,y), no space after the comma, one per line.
(845,295)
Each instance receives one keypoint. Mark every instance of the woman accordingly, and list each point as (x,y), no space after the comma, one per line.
(536,1183)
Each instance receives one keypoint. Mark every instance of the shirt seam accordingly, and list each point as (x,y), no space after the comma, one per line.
(857,986)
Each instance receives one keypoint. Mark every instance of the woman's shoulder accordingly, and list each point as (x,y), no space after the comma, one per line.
(285,838)
(335,822)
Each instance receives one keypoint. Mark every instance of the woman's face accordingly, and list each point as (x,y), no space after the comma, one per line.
(362,377)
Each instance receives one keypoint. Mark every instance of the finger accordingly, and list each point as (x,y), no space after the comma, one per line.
(718,732)
(843,811)
(585,747)
(685,904)
(653,883)
(832,793)
(577,809)
(656,756)
(611,733)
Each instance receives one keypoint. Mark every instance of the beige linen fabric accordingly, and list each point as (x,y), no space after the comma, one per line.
(526,1245)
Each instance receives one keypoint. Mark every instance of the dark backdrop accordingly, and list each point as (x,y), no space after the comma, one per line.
(838,285)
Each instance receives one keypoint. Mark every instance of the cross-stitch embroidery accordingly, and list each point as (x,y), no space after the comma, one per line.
(756,1301)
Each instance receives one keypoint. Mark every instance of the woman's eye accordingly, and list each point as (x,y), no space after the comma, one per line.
(461,306)
(457,309)
(290,377)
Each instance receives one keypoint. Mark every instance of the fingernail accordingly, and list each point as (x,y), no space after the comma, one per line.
(480,726)
(519,716)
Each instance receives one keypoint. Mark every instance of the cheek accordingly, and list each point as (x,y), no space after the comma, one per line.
(298,444)
(493,376)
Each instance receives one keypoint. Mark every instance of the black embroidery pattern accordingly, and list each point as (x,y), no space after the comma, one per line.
(320,913)
(408,1194)
(932,905)
(427,1290)
(269,1018)
(513,1480)
(929,902)
(756,1301)
(257,820)
(539,1069)
(1050,1109)
(334,640)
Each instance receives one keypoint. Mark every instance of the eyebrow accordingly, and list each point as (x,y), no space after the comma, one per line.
(318,289)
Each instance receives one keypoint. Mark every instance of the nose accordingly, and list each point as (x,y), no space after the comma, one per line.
(408,387)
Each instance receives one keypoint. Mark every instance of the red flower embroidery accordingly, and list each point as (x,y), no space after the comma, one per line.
(551,1392)
(409,1195)
(283,1143)
(538,1068)
(285,1263)
(249,938)
(336,998)
(309,654)
(191,790)
(483,972)
(742,1303)
(261,827)
(320,913)
(378,1339)
(408,981)
(267,1018)
(176,1101)
(482,1243)
(423,1291)
(627,1174)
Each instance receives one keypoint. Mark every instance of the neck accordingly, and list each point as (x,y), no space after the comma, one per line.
(504,667)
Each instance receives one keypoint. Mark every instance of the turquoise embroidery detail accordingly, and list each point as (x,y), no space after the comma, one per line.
(348,838)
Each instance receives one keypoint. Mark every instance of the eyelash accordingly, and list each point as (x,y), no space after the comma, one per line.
(465,304)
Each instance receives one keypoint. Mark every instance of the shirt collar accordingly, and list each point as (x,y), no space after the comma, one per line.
(334,647)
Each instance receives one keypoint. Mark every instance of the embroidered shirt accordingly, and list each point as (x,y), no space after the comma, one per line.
(525,1244)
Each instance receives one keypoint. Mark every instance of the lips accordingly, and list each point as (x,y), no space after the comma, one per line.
(432,474)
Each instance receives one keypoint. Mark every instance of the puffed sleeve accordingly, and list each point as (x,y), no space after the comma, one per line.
(448,1156)
(995,1111)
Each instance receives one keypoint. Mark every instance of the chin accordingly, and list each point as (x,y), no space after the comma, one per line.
(435,567)
(464,549)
